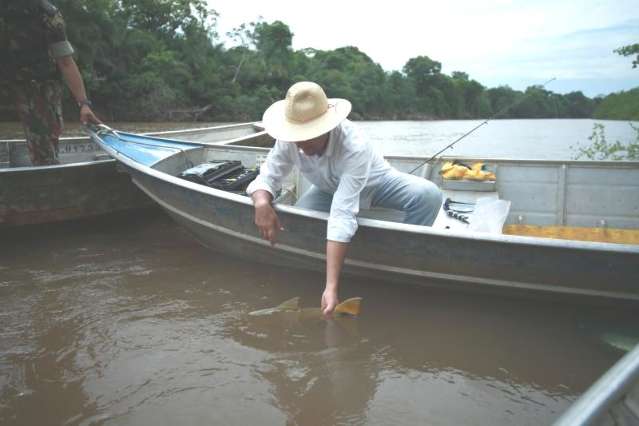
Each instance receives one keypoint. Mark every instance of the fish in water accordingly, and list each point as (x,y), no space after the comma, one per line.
(349,307)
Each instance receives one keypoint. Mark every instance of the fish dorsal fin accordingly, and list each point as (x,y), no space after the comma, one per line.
(349,306)
(289,305)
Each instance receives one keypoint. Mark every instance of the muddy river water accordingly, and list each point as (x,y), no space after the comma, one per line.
(127,320)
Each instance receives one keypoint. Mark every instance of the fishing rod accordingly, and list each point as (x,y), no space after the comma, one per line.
(478,126)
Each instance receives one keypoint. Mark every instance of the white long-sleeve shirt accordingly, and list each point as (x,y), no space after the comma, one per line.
(349,168)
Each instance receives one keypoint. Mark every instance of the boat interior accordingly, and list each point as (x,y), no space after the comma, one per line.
(570,200)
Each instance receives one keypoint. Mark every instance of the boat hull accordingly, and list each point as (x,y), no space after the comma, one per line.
(35,195)
(404,253)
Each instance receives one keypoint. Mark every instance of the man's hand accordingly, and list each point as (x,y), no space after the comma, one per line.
(87,115)
(329,301)
(335,254)
(266,219)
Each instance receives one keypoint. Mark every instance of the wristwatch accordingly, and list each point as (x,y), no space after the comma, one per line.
(85,102)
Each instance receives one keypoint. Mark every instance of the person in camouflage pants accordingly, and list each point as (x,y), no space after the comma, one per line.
(39,106)
(37,54)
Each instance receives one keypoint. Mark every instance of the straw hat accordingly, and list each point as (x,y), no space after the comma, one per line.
(305,114)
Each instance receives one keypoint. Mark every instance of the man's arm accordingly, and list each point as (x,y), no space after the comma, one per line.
(62,51)
(72,76)
(266,219)
(272,172)
(335,255)
(342,223)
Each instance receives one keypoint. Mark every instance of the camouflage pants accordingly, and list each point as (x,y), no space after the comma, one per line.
(40,108)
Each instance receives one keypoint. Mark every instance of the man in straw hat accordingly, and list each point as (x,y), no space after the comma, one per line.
(312,133)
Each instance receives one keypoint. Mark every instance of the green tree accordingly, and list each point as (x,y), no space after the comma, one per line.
(273,42)
(422,70)
(399,97)
(623,105)
(473,97)
(502,101)
(243,35)
(424,74)
(579,106)
(537,103)
(349,73)
(459,75)
(631,49)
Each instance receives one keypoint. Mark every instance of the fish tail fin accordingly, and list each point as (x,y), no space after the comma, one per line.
(349,307)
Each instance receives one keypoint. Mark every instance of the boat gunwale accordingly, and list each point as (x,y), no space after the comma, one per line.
(201,143)
(24,169)
(532,161)
(368,222)
(253,124)
(604,393)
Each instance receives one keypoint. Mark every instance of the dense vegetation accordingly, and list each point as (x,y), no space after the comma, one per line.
(619,106)
(164,60)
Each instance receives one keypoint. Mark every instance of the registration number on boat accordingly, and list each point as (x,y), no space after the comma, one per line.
(70,148)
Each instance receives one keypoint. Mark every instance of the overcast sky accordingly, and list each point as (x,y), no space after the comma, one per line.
(497,42)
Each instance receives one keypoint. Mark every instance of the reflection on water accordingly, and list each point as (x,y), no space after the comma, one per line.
(127,321)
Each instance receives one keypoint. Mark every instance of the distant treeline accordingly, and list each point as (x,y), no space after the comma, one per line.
(619,106)
(164,60)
